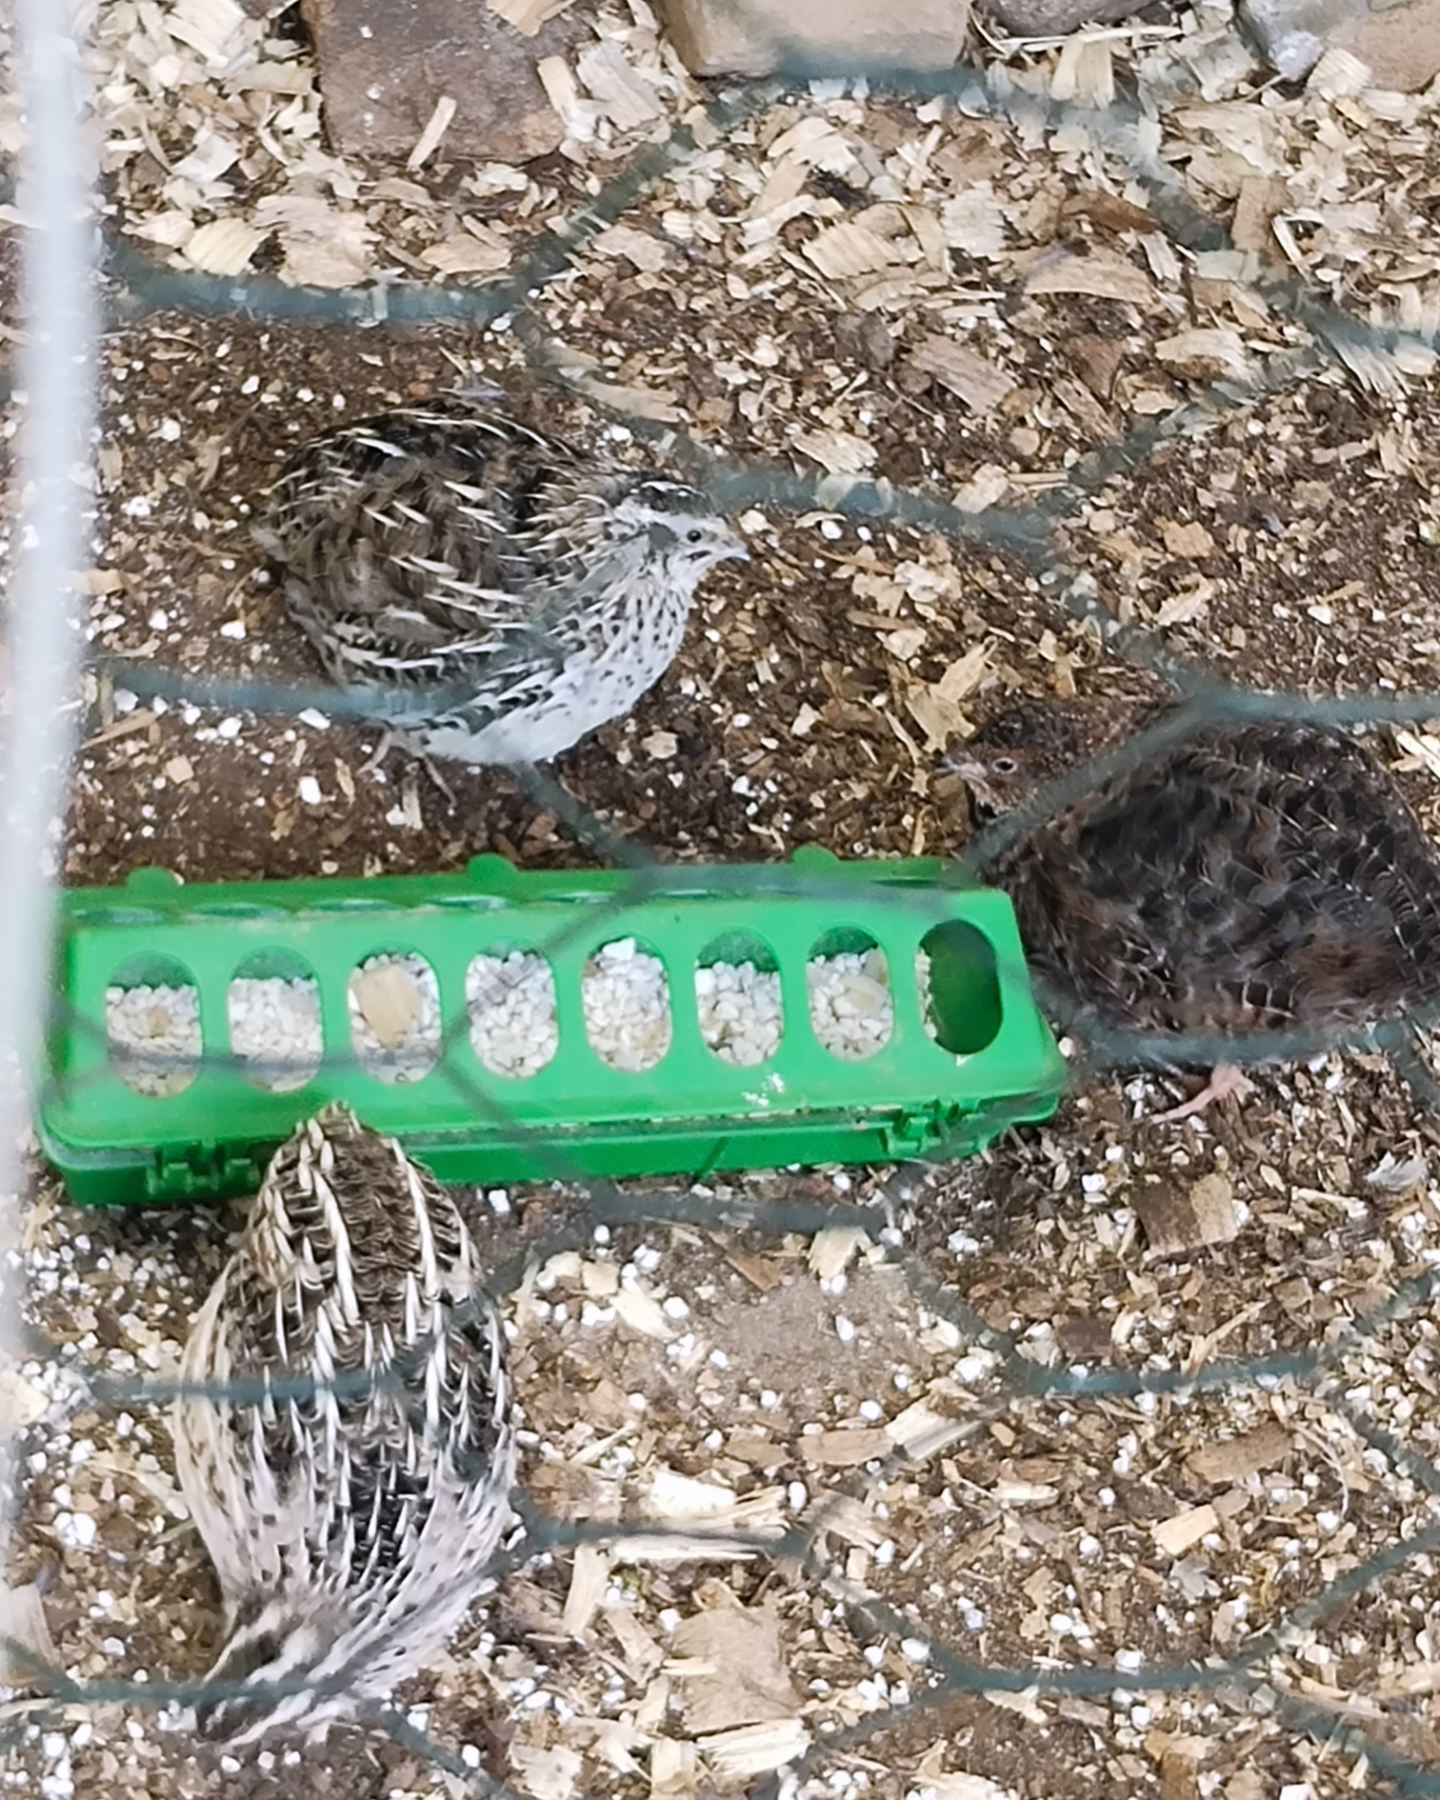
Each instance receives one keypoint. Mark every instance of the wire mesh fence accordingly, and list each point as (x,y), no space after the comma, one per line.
(136,286)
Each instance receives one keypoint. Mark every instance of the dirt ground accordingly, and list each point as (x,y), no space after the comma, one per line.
(980,1561)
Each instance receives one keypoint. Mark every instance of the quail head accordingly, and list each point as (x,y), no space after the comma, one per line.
(1246,877)
(352,1484)
(503,593)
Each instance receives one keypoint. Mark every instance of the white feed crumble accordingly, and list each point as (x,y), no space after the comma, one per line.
(740,1011)
(156,1041)
(154,1034)
(626,997)
(394,1005)
(928,1015)
(513,1022)
(927,996)
(275,1022)
(850,1004)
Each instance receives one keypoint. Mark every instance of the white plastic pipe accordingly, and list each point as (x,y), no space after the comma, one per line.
(55,374)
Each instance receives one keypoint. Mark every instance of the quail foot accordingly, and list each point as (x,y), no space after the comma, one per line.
(352,1500)
(1246,877)
(501,593)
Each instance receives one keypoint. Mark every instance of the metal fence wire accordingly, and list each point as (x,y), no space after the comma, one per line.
(40,718)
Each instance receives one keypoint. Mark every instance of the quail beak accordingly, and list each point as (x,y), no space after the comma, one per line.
(973,775)
(731,547)
(965,767)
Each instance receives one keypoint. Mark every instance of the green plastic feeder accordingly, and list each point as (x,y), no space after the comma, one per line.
(990,1063)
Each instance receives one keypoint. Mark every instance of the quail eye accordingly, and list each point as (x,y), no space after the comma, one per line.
(693,535)
(1005,765)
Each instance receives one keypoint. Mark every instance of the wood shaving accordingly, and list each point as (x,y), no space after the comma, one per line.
(1178,1534)
(751,1750)
(1188,540)
(682,1497)
(922,1432)
(636,1307)
(967,1787)
(26,1646)
(1208,352)
(844,251)
(627,97)
(213,27)
(740,1677)
(390,1002)
(674,1769)
(528,16)
(640,248)
(325,246)
(1339,75)
(436,126)
(223,247)
(841,452)
(1101,275)
(551,1773)
(974,223)
(475,251)
(21,1402)
(846,1449)
(964,372)
(986,488)
(563,92)
(1239,1457)
(1084,71)
(588,1581)
(832,1250)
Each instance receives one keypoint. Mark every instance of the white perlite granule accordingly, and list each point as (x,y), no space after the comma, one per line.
(626,998)
(850,1004)
(275,1022)
(394,1004)
(740,1011)
(513,1024)
(154,1033)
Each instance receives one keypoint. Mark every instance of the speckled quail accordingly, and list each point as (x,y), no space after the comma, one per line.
(505,592)
(351,1507)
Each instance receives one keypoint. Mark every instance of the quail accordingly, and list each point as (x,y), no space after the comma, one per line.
(1250,876)
(352,1484)
(504,592)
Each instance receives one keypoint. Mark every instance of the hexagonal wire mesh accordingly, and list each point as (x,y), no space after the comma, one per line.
(40,720)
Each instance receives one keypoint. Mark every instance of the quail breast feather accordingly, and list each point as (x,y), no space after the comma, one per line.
(353,1487)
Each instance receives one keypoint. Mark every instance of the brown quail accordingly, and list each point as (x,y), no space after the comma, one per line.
(1247,877)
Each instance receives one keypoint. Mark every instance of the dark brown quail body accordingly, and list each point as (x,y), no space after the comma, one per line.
(1248,877)
(508,592)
